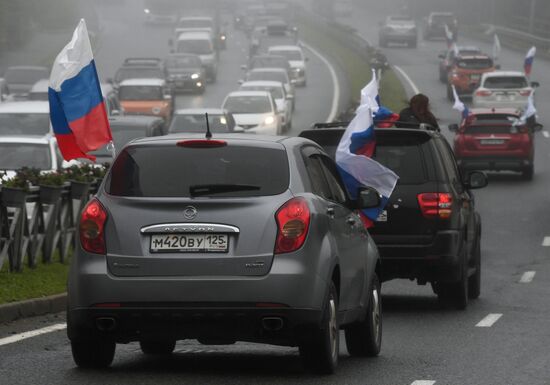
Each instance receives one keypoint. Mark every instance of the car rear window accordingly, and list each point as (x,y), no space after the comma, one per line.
(496,128)
(170,171)
(511,82)
(474,64)
(406,160)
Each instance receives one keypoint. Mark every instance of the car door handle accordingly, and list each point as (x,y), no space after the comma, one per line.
(330,211)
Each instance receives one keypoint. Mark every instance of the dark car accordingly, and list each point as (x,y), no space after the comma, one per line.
(435,25)
(141,68)
(429,230)
(398,29)
(125,129)
(495,139)
(20,79)
(235,238)
(186,73)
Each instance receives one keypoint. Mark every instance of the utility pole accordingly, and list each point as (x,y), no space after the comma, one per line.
(532,15)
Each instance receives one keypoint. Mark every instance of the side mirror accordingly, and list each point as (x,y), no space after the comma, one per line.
(368,198)
(442,56)
(244,67)
(538,127)
(476,180)
(453,127)
(115,113)
(238,129)
(535,84)
(241,81)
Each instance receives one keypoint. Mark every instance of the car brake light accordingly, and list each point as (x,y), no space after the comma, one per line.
(202,143)
(525,93)
(293,224)
(435,205)
(92,226)
(484,93)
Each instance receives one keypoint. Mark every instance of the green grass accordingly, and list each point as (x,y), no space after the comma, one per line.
(44,280)
(354,65)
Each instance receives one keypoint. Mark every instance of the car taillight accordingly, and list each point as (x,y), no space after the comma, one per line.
(92,226)
(484,93)
(525,93)
(435,205)
(293,224)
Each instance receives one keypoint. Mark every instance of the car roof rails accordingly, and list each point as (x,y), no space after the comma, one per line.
(421,126)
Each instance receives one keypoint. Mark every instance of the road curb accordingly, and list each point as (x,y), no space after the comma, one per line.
(33,307)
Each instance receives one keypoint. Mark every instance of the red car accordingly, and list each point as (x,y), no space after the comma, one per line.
(494,139)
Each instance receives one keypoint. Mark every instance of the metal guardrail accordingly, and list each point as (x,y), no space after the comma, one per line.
(517,38)
(40,222)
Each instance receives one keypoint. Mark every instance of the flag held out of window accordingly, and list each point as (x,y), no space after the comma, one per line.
(77,111)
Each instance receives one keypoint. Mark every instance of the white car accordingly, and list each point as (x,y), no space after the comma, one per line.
(278,92)
(254,111)
(25,118)
(275,75)
(40,152)
(296,58)
(503,89)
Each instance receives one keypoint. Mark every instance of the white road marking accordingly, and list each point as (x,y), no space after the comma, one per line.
(546,241)
(415,89)
(489,321)
(32,333)
(423,382)
(527,277)
(546,134)
(336,95)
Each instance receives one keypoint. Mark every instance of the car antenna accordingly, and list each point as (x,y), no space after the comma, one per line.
(208,132)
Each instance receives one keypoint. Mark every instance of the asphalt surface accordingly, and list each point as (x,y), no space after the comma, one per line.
(422,340)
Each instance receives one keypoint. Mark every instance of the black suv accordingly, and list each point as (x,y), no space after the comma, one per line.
(430,230)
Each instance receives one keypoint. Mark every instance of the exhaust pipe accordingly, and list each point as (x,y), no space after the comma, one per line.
(105,324)
(272,324)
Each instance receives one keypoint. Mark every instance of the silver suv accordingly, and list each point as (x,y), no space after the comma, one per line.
(237,238)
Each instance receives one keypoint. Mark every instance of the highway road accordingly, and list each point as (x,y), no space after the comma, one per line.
(503,338)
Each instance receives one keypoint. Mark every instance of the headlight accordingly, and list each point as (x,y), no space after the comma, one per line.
(222,37)
(195,76)
(269,120)
(147,11)
(223,120)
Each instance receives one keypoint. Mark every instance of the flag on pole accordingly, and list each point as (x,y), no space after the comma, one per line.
(369,94)
(529,59)
(459,105)
(77,111)
(496,47)
(355,163)
(530,110)
(449,36)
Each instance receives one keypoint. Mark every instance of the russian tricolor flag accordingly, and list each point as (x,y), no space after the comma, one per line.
(459,105)
(77,111)
(529,59)
(355,151)
(449,37)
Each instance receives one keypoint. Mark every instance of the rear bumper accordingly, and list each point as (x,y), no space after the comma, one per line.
(425,258)
(399,37)
(494,163)
(217,323)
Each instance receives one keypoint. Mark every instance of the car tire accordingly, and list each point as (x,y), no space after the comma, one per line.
(528,172)
(364,338)
(157,348)
(474,282)
(455,294)
(97,354)
(320,352)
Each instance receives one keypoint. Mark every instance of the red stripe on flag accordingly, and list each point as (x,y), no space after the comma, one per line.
(69,149)
(92,131)
(367,150)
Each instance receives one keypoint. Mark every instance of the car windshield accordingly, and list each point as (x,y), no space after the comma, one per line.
(248,105)
(474,64)
(122,135)
(138,73)
(183,62)
(140,93)
(273,76)
(195,23)
(510,82)
(276,92)
(293,55)
(24,123)
(172,171)
(198,47)
(25,75)
(196,123)
(14,156)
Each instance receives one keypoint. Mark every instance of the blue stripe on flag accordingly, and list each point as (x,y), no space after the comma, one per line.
(57,116)
(360,139)
(80,94)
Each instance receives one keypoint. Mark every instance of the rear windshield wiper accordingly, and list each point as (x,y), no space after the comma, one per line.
(208,189)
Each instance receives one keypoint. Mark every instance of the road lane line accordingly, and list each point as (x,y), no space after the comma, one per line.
(32,333)
(423,382)
(527,277)
(336,96)
(415,89)
(489,321)
(546,241)
(546,134)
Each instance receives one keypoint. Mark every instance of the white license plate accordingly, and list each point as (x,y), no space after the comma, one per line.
(492,142)
(190,243)
(475,77)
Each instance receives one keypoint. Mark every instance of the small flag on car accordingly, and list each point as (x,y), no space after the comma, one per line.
(77,111)
(529,60)
(496,47)
(459,105)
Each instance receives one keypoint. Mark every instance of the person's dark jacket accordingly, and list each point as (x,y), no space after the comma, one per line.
(407,119)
